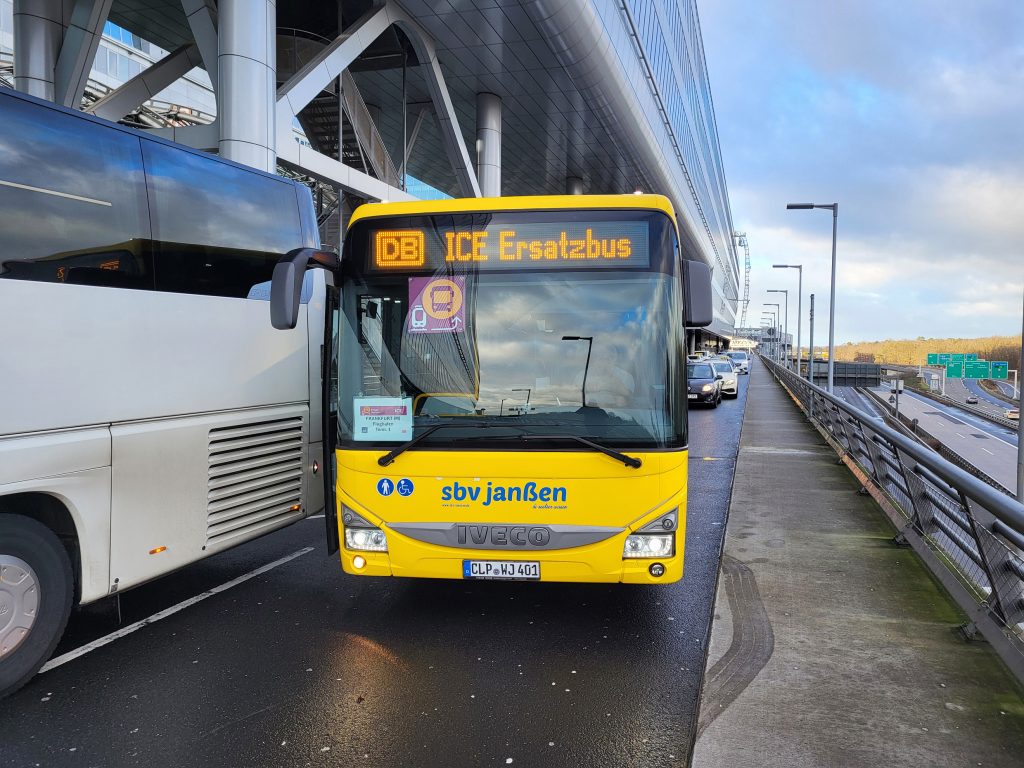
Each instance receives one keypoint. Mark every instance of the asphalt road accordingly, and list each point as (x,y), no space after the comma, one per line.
(991,448)
(303,665)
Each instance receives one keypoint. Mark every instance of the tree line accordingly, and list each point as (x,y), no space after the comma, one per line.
(915,351)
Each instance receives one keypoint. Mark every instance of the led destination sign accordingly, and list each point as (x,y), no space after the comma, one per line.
(557,245)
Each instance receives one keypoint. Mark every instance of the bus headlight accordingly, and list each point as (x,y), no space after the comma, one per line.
(366,539)
(649,545)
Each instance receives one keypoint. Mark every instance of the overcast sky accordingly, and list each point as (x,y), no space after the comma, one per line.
(910,115)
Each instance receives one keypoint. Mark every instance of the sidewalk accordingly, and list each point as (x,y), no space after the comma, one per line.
(831,646)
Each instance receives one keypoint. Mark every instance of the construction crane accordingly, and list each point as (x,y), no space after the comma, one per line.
(741,238)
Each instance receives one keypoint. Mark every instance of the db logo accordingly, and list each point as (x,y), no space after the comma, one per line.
(399,248)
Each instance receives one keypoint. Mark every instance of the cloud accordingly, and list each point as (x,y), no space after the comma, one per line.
(908,114)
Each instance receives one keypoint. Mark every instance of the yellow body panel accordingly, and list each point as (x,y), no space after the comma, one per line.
(599,491)
(524,203)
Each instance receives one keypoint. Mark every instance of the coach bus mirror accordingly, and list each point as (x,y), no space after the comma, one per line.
(286,283)
(698,312)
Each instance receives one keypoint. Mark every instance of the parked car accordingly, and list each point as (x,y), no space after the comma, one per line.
(740,360)
(1013,413)
(730,379)
(972,400)
(703,385)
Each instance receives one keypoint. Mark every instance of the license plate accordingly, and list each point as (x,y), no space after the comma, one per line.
(500,569)
(692,397)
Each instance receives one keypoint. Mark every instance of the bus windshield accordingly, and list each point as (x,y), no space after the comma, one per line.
(441,323)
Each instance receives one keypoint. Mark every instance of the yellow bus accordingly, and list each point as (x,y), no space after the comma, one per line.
(508,394)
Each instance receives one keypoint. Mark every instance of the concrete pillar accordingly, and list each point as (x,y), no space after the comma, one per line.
(246,65)
(488,144)
(39,27)
(574,185)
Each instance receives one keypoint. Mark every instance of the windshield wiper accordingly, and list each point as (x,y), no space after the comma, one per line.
(629,461)
(389,457)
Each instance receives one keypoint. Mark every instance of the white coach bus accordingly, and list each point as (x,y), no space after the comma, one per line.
(149,414)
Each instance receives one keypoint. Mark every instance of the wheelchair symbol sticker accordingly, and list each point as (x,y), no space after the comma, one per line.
(405,487)
(385,487)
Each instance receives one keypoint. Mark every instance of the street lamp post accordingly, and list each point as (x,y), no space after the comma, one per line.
(799,308)
(770,315)
(778,321)
(785,324)
(832,296)
(586,367)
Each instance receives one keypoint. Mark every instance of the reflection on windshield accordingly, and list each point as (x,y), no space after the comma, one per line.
(702,371)
(586,355)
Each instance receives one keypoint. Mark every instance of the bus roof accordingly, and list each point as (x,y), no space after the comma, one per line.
(521,203)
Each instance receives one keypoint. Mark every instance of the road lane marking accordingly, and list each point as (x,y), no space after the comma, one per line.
(959,435)
(986,450)
(81,651)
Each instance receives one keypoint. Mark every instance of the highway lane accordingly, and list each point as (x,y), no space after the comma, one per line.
(975,388)
(859,400)
(991,448)
(303,665)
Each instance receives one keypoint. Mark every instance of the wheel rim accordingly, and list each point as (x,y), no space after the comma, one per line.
(19,602)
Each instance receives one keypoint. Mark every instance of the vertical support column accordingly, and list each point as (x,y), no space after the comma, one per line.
(78,51)
(38,32)
(488,144)
(574,185)
(247,66)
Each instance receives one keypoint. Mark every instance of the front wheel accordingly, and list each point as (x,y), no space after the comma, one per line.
(36,590)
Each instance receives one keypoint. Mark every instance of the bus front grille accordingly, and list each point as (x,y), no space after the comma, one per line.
(255,478)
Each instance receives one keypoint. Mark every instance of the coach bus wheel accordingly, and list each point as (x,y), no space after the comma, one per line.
(35,598)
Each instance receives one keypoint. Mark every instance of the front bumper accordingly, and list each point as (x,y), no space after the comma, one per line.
(702,397)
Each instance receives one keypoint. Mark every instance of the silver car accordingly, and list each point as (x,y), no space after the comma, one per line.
(740,360)
(730,379)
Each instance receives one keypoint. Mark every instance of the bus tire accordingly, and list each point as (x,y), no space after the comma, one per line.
(36,592)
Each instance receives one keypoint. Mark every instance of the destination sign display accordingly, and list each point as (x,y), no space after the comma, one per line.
(527,246)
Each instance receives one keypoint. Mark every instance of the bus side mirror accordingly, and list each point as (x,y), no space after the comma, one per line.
(286,283)
(699,310)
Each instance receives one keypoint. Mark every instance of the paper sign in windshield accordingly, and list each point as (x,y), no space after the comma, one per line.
(436,304)
(382,418)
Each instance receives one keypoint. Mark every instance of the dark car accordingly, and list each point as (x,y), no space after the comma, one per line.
(972,400)
(703,385)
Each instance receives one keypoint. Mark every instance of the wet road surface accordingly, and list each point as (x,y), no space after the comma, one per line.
(303,665)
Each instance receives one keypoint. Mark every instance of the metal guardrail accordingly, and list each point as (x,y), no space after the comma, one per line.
(969,534)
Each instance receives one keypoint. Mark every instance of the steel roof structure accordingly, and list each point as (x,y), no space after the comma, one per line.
(599,96)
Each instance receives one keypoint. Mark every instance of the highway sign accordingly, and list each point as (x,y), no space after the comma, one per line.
(970,357)
(956,358)
(999,370)
(976,369)
(933,358)
(944,358)
(954,370)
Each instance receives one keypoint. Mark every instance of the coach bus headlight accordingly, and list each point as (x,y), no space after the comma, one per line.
(649,545)
(366,539)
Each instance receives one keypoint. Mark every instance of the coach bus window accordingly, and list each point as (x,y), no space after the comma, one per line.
(211,231)
(72,200)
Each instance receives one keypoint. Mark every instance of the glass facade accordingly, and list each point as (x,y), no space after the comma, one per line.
(659,46)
